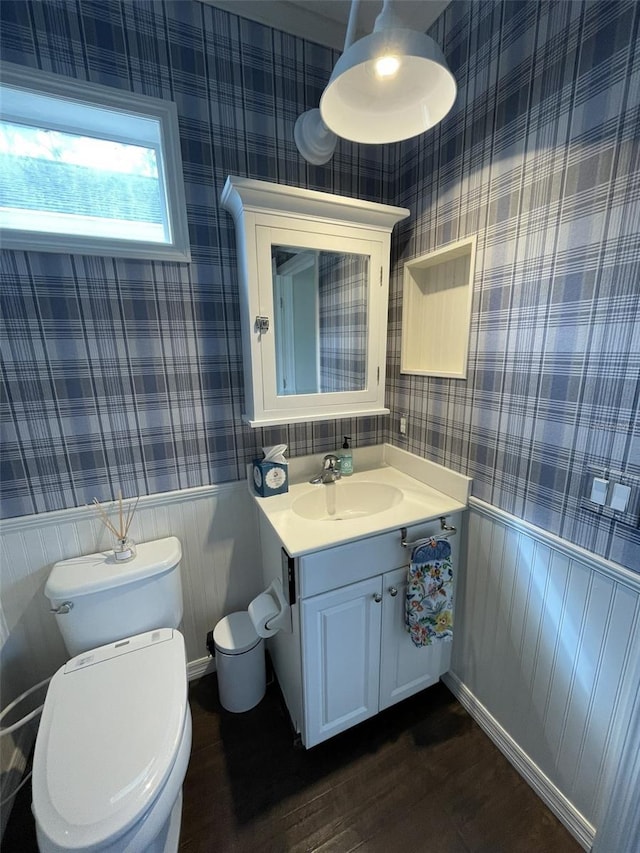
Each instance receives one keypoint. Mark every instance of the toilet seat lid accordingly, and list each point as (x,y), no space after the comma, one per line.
(111,727)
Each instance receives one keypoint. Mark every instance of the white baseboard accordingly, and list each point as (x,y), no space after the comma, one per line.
(565,811)
(201,666)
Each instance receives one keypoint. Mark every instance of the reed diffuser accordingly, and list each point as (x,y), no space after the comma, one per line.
(125,548)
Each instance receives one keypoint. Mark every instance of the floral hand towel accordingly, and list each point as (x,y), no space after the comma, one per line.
(429,613)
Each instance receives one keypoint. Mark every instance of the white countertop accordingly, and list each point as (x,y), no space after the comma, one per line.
(420,502)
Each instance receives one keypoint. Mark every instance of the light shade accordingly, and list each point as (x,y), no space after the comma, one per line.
(364,105)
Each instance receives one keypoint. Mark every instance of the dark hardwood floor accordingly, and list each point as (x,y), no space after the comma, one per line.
(421,776)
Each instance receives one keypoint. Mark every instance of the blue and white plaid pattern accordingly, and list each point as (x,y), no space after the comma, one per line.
(129,373)
(343,322)
(541,158)
(125,372)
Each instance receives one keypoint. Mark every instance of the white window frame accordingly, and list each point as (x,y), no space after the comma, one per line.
(127,109)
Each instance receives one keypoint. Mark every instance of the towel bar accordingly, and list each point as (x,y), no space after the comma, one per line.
(446,530)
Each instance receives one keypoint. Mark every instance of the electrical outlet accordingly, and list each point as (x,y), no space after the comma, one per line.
(403,424)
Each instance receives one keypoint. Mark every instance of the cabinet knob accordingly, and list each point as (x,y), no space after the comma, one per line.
(377,598)
(393,591)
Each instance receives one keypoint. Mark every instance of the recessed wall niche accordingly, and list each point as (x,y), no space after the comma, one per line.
(436,311)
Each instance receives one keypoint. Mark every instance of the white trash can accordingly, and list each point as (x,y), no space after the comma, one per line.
(239,662)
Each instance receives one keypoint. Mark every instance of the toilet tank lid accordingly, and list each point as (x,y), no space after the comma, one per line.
(97,572)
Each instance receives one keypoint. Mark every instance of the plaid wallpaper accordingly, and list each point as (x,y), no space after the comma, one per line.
(129,373)
(342,302)
(540,158)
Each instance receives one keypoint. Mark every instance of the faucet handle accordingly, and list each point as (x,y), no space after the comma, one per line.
(331,462)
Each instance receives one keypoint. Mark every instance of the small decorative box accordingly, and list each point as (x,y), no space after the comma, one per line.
(270,478)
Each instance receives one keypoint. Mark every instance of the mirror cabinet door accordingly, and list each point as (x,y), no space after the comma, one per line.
(318,295)
(321,320)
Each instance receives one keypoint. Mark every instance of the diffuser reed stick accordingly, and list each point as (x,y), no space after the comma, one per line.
(125,549)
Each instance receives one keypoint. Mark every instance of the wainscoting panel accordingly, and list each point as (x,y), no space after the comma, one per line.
(544,645)
(216,525)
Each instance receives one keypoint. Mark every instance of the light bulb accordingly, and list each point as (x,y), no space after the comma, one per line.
(387,66)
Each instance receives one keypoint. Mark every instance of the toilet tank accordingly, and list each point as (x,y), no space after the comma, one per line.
(98,600)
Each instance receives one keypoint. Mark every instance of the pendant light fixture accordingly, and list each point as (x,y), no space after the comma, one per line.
(390,85)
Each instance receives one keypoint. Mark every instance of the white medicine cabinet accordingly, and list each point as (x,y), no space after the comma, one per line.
(313,271)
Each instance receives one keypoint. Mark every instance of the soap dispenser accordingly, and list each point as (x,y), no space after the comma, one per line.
(346,458)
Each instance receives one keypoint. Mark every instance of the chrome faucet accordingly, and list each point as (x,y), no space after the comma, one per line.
(330,470)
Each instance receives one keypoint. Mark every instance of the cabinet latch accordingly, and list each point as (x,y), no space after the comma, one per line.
(262,324)
(288,576)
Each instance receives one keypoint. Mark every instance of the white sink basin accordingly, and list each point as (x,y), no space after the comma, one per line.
(342,500)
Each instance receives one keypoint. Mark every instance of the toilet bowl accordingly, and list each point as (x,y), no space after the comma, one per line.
(113,747)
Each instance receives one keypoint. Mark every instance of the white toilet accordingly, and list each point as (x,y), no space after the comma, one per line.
(115,735)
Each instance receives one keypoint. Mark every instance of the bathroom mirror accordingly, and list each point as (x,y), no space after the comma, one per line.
(313,271)
(320,320)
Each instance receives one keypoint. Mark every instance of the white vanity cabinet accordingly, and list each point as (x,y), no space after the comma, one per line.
(350,655)
(357,656)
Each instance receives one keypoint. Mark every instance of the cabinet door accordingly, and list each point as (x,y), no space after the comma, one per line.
(341,333)
(341,658)
(405,669)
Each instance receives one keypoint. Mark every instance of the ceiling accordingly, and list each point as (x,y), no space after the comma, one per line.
(325,21)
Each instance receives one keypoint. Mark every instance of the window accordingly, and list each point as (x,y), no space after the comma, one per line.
(88,169)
